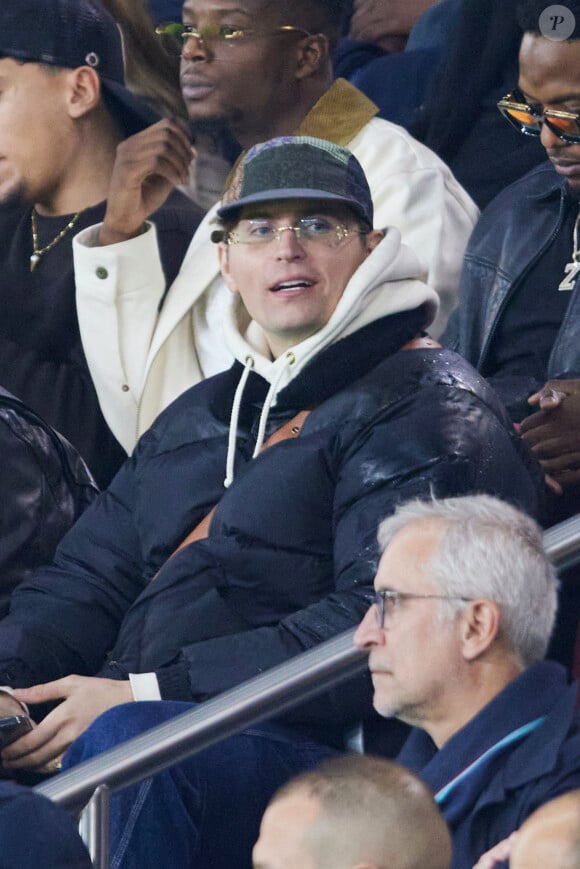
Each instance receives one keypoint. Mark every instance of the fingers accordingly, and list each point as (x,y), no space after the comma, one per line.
(547,398)
(164,147)
(498,854)
(37,748)
(47,691)
(147,168)
(553,485)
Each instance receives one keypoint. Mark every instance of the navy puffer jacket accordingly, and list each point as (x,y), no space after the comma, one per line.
(291,554)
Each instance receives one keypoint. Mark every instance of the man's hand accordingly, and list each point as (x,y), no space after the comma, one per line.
(386,23)
(499,854)
(553,432)
(148,166)
(85,698)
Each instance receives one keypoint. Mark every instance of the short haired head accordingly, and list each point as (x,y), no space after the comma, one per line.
(372,813)
(489,549)
(71,34)
(316,16)
(298,167)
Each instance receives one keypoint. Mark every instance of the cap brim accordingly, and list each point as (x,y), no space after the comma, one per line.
(131,111)
(232,212)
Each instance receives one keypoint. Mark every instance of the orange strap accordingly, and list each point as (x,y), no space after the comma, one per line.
(291,429)
(421,343)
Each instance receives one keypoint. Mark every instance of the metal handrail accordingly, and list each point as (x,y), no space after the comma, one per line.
(266,695)
(261,697)
(562,543)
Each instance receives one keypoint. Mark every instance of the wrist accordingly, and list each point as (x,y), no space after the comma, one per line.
(109,235)
(8,691)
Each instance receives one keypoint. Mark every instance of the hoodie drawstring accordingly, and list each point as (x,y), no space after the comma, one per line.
(232,435)
(235,415)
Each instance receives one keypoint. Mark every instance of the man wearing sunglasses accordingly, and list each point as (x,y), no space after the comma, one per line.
(517,321)
(465,602)
(263,69)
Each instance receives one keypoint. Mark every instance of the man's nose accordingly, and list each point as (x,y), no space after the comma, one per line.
(195,48)
(289,245)
(368,633)
(550,140)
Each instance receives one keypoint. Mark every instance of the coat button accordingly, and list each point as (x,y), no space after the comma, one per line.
(102,273)
(125,387)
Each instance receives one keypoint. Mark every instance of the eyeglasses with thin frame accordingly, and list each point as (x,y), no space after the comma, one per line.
(386,601)
(216,36)
(309,230)
(528,119)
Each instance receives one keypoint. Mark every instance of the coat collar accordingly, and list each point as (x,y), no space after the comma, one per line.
(540,690)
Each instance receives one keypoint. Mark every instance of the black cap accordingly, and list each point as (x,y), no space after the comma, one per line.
(73,33)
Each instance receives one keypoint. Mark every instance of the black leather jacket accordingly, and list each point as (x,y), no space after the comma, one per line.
(44,487)
(511,235)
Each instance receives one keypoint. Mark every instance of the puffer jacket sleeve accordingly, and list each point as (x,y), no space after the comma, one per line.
(440,441)
(65,617)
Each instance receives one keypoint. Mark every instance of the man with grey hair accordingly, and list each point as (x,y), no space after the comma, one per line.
(353,812)
(465,602)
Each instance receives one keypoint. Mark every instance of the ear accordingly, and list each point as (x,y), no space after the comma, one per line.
(224,261)
(84,91)
(373,239)
(479,627)
(313,55)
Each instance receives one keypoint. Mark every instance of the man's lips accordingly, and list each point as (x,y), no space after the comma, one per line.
(566,167)
(292,285)
(195,88)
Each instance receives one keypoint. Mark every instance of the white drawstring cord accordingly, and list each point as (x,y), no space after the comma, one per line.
(234,422)
(266,410)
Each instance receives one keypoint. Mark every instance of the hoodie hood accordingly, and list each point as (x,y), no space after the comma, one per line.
(389,281)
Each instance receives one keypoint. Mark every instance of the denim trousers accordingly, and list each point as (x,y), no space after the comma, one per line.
(205,812)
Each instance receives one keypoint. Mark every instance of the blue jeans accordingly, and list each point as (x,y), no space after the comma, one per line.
(205,812)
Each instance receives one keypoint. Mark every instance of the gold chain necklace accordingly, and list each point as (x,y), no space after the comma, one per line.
(38,252)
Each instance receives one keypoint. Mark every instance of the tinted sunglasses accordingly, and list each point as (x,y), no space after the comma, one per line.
(529,119)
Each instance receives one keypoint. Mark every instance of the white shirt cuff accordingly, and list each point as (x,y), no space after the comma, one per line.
(145,686)
(6,689)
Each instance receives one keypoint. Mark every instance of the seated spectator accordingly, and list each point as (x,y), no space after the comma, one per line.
(459,119)
(496,732)
(324,423)
(353,812)
(519,286)
(277,81)
(64,110)
(44,487)
(36,833)
(549,837)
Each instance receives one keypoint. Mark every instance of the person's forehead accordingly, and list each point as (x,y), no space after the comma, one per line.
(549,70)
(219,8)
(404,565)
